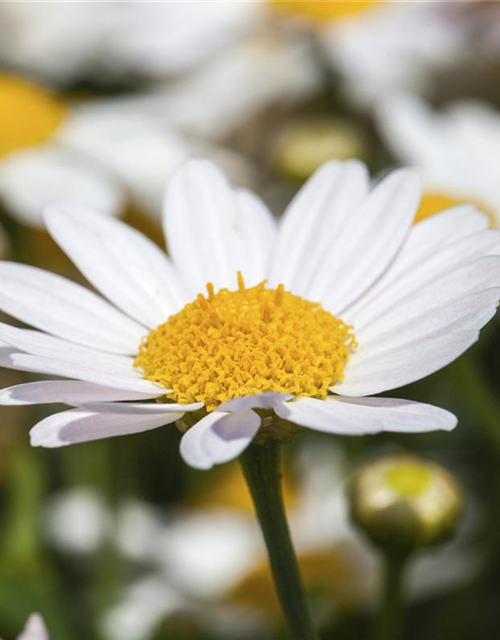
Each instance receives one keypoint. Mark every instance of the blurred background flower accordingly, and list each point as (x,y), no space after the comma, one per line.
(99,104)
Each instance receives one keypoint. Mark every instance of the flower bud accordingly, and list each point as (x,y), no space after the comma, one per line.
(403,502)
(304,147)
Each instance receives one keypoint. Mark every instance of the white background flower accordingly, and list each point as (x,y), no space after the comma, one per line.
(63,41)
(393,45)
(35,629)
(455,148)
(104,154)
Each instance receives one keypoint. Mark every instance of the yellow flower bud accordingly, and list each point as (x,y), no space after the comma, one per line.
(404,501)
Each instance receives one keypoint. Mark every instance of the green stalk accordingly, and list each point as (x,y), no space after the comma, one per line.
(260,465)
(389,618)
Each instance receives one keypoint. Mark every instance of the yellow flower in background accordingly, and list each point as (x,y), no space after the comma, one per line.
(433,203)
(377,46)
(228,490)
(325,10)
(36,163)
(29,115)
(99,153)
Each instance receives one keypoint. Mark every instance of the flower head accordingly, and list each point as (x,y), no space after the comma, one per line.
(325,12)
(128,39)
(232,344)
(455,149)
(37,162)
(391,45)
(29,116)
(345,299)
(100,153)
(404,501)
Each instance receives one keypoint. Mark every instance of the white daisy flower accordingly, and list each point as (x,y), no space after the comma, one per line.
(266,70)
(70,41)
(35,165)
(306,321)
(35,629)
(379,45)
(168,38)
(100,154)
(455,150)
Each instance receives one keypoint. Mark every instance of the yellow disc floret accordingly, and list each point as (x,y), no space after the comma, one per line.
(29,115)
(239,343)
(433,203)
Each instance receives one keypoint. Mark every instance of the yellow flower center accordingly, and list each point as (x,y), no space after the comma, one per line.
(29,115)
(332,575)
(433,203)
(409,479)
(228,490)
(325,10)
(238,343)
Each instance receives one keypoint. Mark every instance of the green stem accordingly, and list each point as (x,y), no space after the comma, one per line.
(260,464)
(388,621)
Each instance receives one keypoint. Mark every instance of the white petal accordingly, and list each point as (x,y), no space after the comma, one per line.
(218,438)
(5,353)
(357,416)
(437,290)
(229,437)
(58,306)
(445,314)
(430,267)
(125,266)
(447,145)
(257,401)
(225,95)
(78,372)
(313,220)
(368,241)
(191,447)
(168,38)
(428,236)
(199,217)
(70,427)
(31,179)
(130,408)
(66,392)
(120,135)
(469,313)
(35,629)
(257,232)
(46,346)
(367,374)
